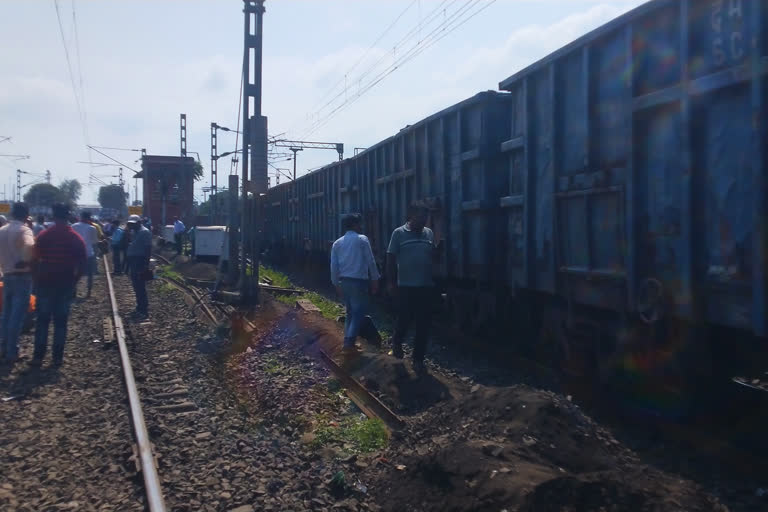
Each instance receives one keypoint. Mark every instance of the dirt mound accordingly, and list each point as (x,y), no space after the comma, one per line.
(398,386)
(197,270)
(634,493)
(513,448)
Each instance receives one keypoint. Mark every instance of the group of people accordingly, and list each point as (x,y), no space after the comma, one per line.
(48,259)
(411,252)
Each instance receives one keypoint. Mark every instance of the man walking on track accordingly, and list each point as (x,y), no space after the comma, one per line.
(16,251)
(353,273)
(178,234)
(138,255)
(409,273)
(60,257)
(90,236)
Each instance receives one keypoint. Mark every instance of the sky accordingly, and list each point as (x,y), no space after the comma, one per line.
(117,73)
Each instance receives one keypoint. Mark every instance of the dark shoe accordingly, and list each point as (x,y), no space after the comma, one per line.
(350,350)
(397,351)
(420,368)
(36,363)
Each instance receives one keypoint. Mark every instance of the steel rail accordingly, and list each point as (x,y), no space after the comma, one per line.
(152,487)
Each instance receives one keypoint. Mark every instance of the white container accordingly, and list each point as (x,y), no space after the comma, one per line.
(212,241)
(167,234)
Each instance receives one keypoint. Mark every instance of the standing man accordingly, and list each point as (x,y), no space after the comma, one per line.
(353,273)
(60,255)
(39,226)
(409,273)
(178,233)
(138,255)
(118,246)
(16,251)
(90,236)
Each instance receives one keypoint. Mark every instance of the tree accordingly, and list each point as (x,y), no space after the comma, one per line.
(221,204)
(197,170)
(112,196)
(71,189)
(44,195)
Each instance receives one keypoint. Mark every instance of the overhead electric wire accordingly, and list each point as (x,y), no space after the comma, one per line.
(80,108)
(365,54)
(450,24)
(116,161)
(233,162)
(408,36)
(80,75)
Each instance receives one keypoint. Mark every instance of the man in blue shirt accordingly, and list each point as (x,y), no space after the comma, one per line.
(138,254)
(353,273)
(178,234)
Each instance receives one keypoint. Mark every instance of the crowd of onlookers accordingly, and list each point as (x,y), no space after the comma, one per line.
(48,257)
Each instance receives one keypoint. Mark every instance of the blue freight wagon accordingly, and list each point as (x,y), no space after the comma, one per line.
(636,161)
(608,209)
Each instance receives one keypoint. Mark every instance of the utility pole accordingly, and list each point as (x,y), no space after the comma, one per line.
(254,140)
(48,177)
(295,151)
(18,184)
(183,130)
(214,168)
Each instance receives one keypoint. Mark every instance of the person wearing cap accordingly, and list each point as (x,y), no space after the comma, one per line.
(16,250)
(138,254)
(60,257)
(353,273)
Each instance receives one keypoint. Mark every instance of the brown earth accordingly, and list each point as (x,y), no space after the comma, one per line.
(471,448)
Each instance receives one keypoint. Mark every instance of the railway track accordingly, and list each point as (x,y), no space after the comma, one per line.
(359,394)
(146,458)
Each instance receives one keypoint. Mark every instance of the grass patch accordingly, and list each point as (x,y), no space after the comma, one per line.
(329,308)
(365,435)
(168,272)
(167,288)
(278,279)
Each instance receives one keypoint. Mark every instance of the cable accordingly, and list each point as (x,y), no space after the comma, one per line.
(408,36)
(364,55)
(362,89)
(71,75)
(233,162)
(451,24)
(80,74)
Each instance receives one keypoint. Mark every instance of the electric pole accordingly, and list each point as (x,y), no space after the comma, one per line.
(183,131)
(214,168)
(18,184)
(48,177)
(295,151)
(254,149)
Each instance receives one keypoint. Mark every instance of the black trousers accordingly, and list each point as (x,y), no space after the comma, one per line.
(414,306)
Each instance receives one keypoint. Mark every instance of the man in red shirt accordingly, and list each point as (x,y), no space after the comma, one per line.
(60,257)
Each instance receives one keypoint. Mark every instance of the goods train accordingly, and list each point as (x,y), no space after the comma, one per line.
(611,197)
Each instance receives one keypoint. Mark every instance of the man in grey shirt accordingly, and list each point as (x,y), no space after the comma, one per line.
(409,274)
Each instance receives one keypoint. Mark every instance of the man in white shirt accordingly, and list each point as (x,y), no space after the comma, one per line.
(16,252)
(353,272)
(90,236)
(178,233)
